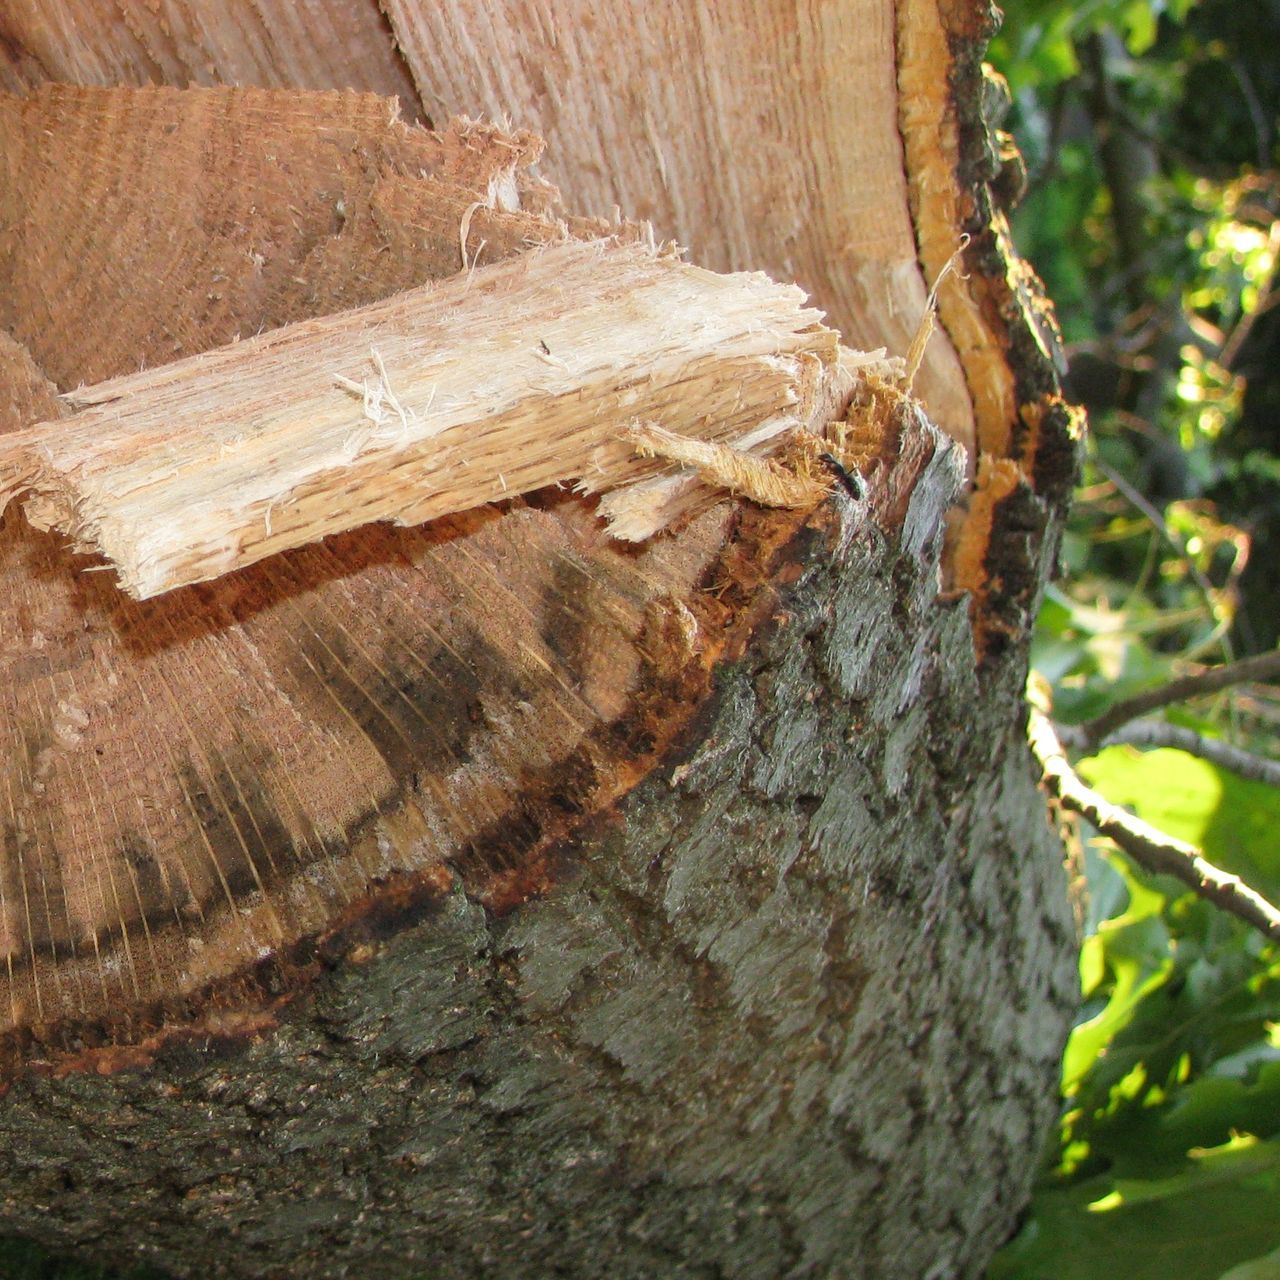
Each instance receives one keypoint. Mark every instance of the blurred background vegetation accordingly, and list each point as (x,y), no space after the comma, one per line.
(1148,129)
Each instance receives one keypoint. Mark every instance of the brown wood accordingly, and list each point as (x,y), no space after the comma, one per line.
(364,207)
(491,898)
(309,44)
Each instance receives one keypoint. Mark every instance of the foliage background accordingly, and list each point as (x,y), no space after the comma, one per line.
(1149,131)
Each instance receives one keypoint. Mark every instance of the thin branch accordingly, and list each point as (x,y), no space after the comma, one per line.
(1149,847)
(1257,113)
(1157,520)
(1159,733)
(1258,669)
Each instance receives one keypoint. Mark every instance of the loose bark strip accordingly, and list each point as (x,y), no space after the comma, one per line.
(761,479)
(1151,848)
(493,383)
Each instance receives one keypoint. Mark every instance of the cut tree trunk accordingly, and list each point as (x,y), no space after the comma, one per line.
(489,897)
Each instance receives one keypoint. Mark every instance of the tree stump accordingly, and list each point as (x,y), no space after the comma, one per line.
(491,897)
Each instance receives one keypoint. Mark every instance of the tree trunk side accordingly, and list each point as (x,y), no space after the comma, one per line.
(792,1007)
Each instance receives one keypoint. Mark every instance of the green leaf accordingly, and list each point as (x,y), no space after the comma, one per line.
(1222,1209)
(1243,835)
(1265,1268)
(1137,958)
(1170,789)
(1235,821)
(1139,20)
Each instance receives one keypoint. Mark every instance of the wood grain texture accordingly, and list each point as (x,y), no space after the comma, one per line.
(301,44)
(476,389)
(941,209)
(140,226)
(191,785)
(188,784)
(762,136)
(677,912)
(26,395)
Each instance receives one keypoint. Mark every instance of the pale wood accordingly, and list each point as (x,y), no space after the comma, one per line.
(763,136)
(494,383)
(306,44)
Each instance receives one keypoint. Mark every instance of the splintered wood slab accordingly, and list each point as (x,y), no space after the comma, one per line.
(479,388)
(365,206)
(437,877)
(779,145)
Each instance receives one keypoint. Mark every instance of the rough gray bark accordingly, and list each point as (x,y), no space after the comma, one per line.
(794,1009)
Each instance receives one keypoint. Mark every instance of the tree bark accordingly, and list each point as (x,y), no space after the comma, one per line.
(492,900)
(793,1006)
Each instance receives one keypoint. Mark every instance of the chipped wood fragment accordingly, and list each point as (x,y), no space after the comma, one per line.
(489,384)
(762,480)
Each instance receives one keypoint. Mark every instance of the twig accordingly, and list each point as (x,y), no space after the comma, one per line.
(1149,847)
(1258,669)
(1159,733)
(1257,112)
(1138,500)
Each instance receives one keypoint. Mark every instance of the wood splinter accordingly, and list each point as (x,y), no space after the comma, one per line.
(763,480)
(492,383)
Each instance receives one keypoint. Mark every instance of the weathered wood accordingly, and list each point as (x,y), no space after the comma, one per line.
(486,386)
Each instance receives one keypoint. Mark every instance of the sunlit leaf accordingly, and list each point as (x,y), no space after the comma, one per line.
(1235,821)
(1174,791)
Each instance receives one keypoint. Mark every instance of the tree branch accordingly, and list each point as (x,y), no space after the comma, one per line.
(1128,161)
(1149,847)
(1139,500)
(1262,667)
(1158,733)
